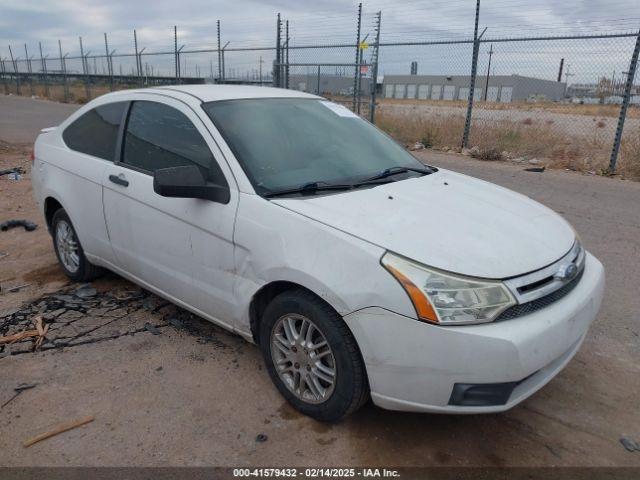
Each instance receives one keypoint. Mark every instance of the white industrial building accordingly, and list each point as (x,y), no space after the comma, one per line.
(499,88)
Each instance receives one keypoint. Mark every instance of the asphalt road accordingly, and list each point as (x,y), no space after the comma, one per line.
(21,118)
(196,395)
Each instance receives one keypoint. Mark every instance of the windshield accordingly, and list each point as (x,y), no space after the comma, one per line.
(289,142)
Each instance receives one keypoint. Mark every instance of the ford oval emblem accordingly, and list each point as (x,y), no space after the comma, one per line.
(566,272)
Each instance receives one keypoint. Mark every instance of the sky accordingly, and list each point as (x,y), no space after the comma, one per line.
(250,23)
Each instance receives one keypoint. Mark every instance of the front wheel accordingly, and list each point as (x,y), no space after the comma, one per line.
(312,356)
(69,251)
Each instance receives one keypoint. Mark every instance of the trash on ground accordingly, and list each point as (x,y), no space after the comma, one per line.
(19,389)
(16,337)
(85,291)
(629,445)
(150,328)
(14,170)
(261,437)
(59,429)
(16,288)
(535,169)
(28,226)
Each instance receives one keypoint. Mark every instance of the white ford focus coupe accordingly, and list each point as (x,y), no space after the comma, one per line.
(360,272)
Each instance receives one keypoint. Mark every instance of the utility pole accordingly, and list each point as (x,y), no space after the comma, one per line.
(486,83)
(286,71)
(28,60)
(625,104)
(4,78)
(224,67)
(138,60)
(472,83)
(374,75)
(560,70)
(43,64)
(109,72)
(15,70)
(360,63)
(175,52)
(567,74)
(357,70)
(63,67)
(85,71)
(260,63)
(219,54)
(277,67)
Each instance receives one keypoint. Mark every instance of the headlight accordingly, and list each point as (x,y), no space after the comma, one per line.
(448,299)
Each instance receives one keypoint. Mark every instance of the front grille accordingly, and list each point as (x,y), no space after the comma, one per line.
(539,303)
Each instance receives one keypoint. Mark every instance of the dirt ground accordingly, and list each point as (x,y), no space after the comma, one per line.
(168,389)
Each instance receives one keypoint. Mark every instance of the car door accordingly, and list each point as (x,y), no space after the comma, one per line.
(152,236)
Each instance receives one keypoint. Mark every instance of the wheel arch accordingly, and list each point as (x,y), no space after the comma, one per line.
(51,206)
(268,292)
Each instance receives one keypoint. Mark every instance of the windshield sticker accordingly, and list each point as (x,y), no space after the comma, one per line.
(339,109)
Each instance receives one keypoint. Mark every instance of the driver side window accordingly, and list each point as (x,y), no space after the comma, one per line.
(159,136)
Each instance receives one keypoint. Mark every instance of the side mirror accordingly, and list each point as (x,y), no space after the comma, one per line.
(188,182)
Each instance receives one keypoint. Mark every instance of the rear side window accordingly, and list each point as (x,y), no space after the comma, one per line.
(96,132)
(159,136)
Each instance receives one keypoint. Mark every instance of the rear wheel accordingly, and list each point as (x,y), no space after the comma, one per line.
(69,251)
(312,356)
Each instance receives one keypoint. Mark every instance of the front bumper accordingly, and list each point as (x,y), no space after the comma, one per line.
(413,366)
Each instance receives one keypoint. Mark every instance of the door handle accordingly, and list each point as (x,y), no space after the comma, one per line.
(119,179)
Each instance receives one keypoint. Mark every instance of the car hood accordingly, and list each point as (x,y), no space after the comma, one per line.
(448,221)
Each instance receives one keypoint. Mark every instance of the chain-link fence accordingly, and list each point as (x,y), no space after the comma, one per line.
(554,99)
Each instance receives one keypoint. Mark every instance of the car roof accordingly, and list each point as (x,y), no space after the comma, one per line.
(212,93)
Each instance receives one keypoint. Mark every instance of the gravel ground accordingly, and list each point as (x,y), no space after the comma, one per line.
(167,388)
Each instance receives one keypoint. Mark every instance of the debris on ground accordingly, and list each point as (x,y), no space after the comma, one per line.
(15,288)
(535,169)
(150,328)
(486,154)
(81,314)
(16,170)
(16,337)
(630,445)
(85,291)
(3,254)
(19,389)
(59,429)
(261,437)
(28,226)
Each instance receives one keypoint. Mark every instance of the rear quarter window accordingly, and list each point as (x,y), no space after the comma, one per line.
(96,132)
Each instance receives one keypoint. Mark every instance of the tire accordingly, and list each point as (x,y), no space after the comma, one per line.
(284,358)
(65,242)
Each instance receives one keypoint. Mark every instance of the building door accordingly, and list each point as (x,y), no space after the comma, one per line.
(399,91)
(492,94)
(388,90)
(436,91)
(506,93)
(449,92)
(411,91)
(423,92)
